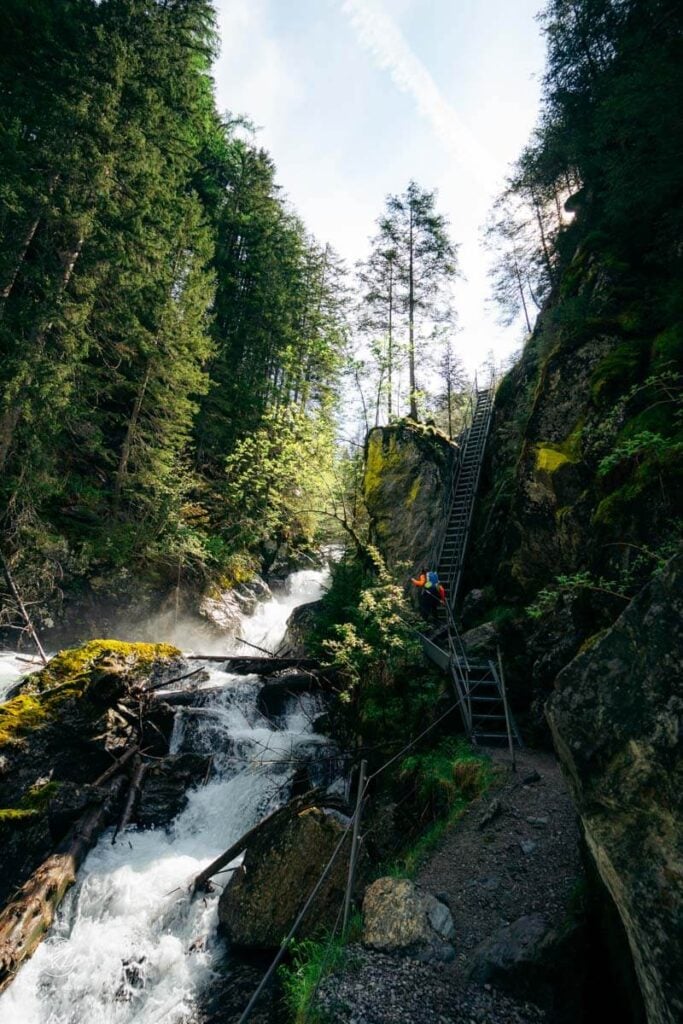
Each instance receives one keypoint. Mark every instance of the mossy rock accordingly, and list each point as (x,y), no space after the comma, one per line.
(98,669)
(57,735)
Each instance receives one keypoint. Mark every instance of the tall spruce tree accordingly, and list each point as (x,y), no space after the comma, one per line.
(426,261)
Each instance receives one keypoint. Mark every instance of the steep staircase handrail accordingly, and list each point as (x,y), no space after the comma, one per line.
(449,492)
(480,449)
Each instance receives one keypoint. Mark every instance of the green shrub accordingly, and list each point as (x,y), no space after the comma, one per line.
(311,962)
(449,772)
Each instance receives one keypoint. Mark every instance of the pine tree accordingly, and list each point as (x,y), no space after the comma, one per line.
(426,262)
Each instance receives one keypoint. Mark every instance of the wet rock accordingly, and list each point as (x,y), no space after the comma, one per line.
(225,609)
(281,865)
(481,639)
(58,735)
(166,785)
(527,846)
(67,803)
(515,944)
(275,694)
(300,625)
(616,720)
(399,917)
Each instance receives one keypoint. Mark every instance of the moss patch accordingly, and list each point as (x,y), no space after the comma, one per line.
(69,675)
(414,491)
(549,460)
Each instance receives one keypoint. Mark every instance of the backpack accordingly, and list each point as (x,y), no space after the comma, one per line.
(432,579)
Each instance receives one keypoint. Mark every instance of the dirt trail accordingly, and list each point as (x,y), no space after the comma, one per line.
(515,853)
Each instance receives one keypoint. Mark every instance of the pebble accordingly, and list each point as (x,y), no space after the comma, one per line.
(420,994)
(528,845)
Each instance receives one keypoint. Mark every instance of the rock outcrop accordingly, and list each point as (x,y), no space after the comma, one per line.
(399,917)
(405,487)
(281,866)
(166,785)
(65,727)
(617,721)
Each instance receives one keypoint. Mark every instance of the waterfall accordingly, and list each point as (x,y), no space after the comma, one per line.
(128,944)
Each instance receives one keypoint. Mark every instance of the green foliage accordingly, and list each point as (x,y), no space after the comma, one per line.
(311,962)
(279,476)
(635,447)
(160,304)
(443,780)
(446,773)
(623,584)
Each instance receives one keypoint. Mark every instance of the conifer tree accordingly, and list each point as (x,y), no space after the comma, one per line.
(426,260)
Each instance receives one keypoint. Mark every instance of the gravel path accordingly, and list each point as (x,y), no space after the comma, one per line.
(514,853)
(380,989)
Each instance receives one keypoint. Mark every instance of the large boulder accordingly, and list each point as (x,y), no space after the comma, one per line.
(399,917)
(407,471)
(617,719)
(281,865)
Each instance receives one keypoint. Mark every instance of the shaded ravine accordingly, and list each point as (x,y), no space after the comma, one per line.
(128,944)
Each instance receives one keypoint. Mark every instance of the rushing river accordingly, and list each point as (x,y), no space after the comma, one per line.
(129,947)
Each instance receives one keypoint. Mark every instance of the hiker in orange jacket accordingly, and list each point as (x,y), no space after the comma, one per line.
(432,594)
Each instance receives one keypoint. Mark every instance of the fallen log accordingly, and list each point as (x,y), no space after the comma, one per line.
(116,766)
(171,682)
(139,769)
(186,698)
(28,916)
(258,666)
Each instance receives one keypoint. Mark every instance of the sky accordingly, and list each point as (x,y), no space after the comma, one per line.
(353,98)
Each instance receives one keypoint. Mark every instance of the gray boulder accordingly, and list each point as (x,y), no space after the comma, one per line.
(482,639)
(508,949)
(281,865)
(399,917)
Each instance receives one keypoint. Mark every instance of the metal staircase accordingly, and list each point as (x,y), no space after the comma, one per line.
(479,685)
(466,480)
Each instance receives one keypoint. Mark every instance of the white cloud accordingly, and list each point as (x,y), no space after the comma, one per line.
(381,37)
(253,76)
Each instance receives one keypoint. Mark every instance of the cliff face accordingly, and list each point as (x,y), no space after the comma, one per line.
(616,716)
(406,474)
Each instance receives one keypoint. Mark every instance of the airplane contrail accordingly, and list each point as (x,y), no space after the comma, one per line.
(381,37)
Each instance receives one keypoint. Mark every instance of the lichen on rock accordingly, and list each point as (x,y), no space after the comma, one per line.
(399,917)
(407,470)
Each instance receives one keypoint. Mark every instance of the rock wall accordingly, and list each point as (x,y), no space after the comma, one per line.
(406,474)
(617,722)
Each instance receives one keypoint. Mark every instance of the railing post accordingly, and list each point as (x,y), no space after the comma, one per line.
(353,853)
(508,724)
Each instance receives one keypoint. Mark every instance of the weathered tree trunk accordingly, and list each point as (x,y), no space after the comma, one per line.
(300,803)
(521,295)
(390,339)
(139,769)
(411,323)
(22,608)
(29,235)
(130,435)
(28,916)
